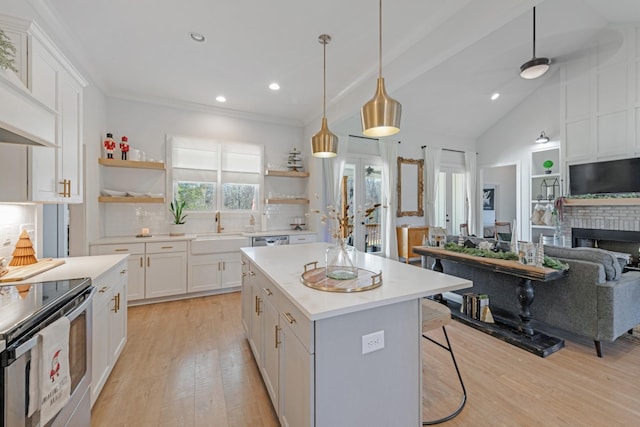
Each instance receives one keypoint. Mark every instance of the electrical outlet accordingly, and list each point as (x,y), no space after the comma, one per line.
(372,342)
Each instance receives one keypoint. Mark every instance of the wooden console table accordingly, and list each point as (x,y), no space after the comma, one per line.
(524,335)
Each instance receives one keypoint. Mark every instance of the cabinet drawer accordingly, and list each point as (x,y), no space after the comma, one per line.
(296,239)
(123,248)
(159,247)
(300,325)
(107,282)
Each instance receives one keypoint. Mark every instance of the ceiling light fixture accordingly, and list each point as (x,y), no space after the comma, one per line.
(542,139)
(274,86)
(381,115)
(535,67)
(197,37)
(221,98)
(324,143)
(495,96)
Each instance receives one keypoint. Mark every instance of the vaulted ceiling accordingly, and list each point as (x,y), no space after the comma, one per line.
(443,58)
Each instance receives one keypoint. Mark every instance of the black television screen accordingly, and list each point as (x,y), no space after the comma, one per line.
(616,176)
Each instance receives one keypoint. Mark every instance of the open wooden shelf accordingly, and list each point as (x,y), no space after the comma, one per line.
(130,164)
(287,201)
(289,174)
(621,201)
(110,199)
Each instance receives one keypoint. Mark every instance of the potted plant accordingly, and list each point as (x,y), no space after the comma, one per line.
(178,226)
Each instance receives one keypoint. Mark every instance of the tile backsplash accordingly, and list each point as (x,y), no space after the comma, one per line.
(13,218)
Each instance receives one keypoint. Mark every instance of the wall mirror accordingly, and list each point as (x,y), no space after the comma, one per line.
(410,187)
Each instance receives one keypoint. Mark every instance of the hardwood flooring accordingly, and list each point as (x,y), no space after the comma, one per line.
(188,363)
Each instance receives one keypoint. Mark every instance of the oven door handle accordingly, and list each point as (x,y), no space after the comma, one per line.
(23,348)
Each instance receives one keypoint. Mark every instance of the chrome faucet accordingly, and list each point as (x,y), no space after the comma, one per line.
(219,224)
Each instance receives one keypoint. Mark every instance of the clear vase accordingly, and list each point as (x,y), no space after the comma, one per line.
(341,261)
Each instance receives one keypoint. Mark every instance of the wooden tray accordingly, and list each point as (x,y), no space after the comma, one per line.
(317,279)
(16,274)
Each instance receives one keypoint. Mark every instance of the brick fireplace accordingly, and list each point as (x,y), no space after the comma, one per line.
(614,227)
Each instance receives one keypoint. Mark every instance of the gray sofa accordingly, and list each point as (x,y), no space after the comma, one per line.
(595,299)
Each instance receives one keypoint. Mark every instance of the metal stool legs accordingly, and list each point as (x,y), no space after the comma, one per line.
(455,364)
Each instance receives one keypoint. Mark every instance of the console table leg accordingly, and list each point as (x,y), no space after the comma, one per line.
(525,298)
(437,266)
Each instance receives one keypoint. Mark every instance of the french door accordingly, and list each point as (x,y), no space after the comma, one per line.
(451,201)
(362,188)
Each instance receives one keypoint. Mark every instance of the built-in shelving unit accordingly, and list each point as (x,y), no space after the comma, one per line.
(131,164)
(286,200)
(546,186)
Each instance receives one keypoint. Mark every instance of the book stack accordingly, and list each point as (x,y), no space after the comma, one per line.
(476,306)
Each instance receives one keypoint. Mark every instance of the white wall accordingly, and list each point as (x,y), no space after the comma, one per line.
(146,125)
(503,179)
(14,217)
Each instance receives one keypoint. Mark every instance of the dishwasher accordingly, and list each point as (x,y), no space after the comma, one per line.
(270,240)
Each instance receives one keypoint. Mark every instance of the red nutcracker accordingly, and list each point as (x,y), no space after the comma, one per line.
(109,145)
(124,147)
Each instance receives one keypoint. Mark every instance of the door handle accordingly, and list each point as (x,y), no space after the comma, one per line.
(277,342)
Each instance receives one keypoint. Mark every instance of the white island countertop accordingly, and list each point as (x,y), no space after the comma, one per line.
(75,268)
(284,265)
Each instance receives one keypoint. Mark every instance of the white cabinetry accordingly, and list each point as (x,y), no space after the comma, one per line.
(157,269)
(109,324)
(51,174)
(276,331)
(296,239)
(214,271)
(546,186)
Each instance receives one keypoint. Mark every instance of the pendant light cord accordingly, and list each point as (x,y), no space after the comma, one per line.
(324,78)
(380,40)
(534,31)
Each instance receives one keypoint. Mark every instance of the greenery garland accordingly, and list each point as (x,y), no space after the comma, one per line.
(509,256)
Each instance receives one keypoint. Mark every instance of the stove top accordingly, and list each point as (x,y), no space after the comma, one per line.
(22,307)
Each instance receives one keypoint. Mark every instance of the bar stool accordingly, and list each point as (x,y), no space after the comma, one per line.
(436,315)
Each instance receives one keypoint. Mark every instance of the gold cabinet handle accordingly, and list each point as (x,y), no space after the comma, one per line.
(166,247)
(259,304)
(244,274)
(289,318)
(124,271)
(148,261)
(103,289)
(277,342)
(66,188)
(267,291)
(224,265)
(122,250)
(141,262)
(118,302)
(115,304)
(242,262)
(251,273)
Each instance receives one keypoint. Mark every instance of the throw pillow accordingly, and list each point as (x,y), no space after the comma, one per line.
(609,261)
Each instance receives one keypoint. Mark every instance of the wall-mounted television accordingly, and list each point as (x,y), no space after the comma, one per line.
(615,176)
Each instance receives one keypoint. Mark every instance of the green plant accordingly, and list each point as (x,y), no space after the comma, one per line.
(176,207)
(548,164)
(7,53)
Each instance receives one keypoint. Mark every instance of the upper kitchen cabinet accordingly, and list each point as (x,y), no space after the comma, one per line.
(39,173)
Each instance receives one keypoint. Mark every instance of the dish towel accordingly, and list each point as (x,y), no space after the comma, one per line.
(50,381)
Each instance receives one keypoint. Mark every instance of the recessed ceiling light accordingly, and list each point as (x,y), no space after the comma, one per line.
(274,86)
(495,96)
(221,98)
(197,37)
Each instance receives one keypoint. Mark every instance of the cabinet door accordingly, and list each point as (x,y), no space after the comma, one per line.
(204,273)
(166,274)
(70,155)
(296,380)
(231,270)
(135,277)
(270,364)
(256,338)
(100,367)
(118,332)
(246,296)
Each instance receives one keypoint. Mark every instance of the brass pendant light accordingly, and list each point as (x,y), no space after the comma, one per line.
(324,143)
(535,67)
(381,115)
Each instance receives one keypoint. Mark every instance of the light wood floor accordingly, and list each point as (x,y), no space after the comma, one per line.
(187,363)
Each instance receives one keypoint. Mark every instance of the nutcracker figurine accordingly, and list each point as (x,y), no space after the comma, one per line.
(124,147)
(109,145)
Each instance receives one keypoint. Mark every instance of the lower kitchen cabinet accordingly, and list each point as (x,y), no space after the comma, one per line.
(109,328)
(276,331)
(214,271)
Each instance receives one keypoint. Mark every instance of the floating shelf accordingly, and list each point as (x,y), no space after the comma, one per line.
(289,174)
(130,164)
(287,201)
(621,201)
(546,175)
(110,199)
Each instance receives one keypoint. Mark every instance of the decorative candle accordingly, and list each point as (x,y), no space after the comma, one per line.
(145,231)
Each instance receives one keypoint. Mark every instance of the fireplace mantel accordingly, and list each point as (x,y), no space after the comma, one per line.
(622,201)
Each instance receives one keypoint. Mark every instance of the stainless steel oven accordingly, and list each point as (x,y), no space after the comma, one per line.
(24,311)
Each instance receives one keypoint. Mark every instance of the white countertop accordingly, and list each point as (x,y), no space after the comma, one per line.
(187,237)
(76,267)
(284,265)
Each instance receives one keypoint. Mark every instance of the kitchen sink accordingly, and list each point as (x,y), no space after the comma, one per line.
(214,243)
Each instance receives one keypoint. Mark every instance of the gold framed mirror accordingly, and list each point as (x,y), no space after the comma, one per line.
(410,187)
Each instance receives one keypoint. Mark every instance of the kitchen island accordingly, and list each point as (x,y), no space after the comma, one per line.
(337,359)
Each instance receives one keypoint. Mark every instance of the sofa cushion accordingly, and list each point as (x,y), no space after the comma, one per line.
(609,261)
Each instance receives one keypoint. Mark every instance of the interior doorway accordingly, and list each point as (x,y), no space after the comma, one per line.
(500,197)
